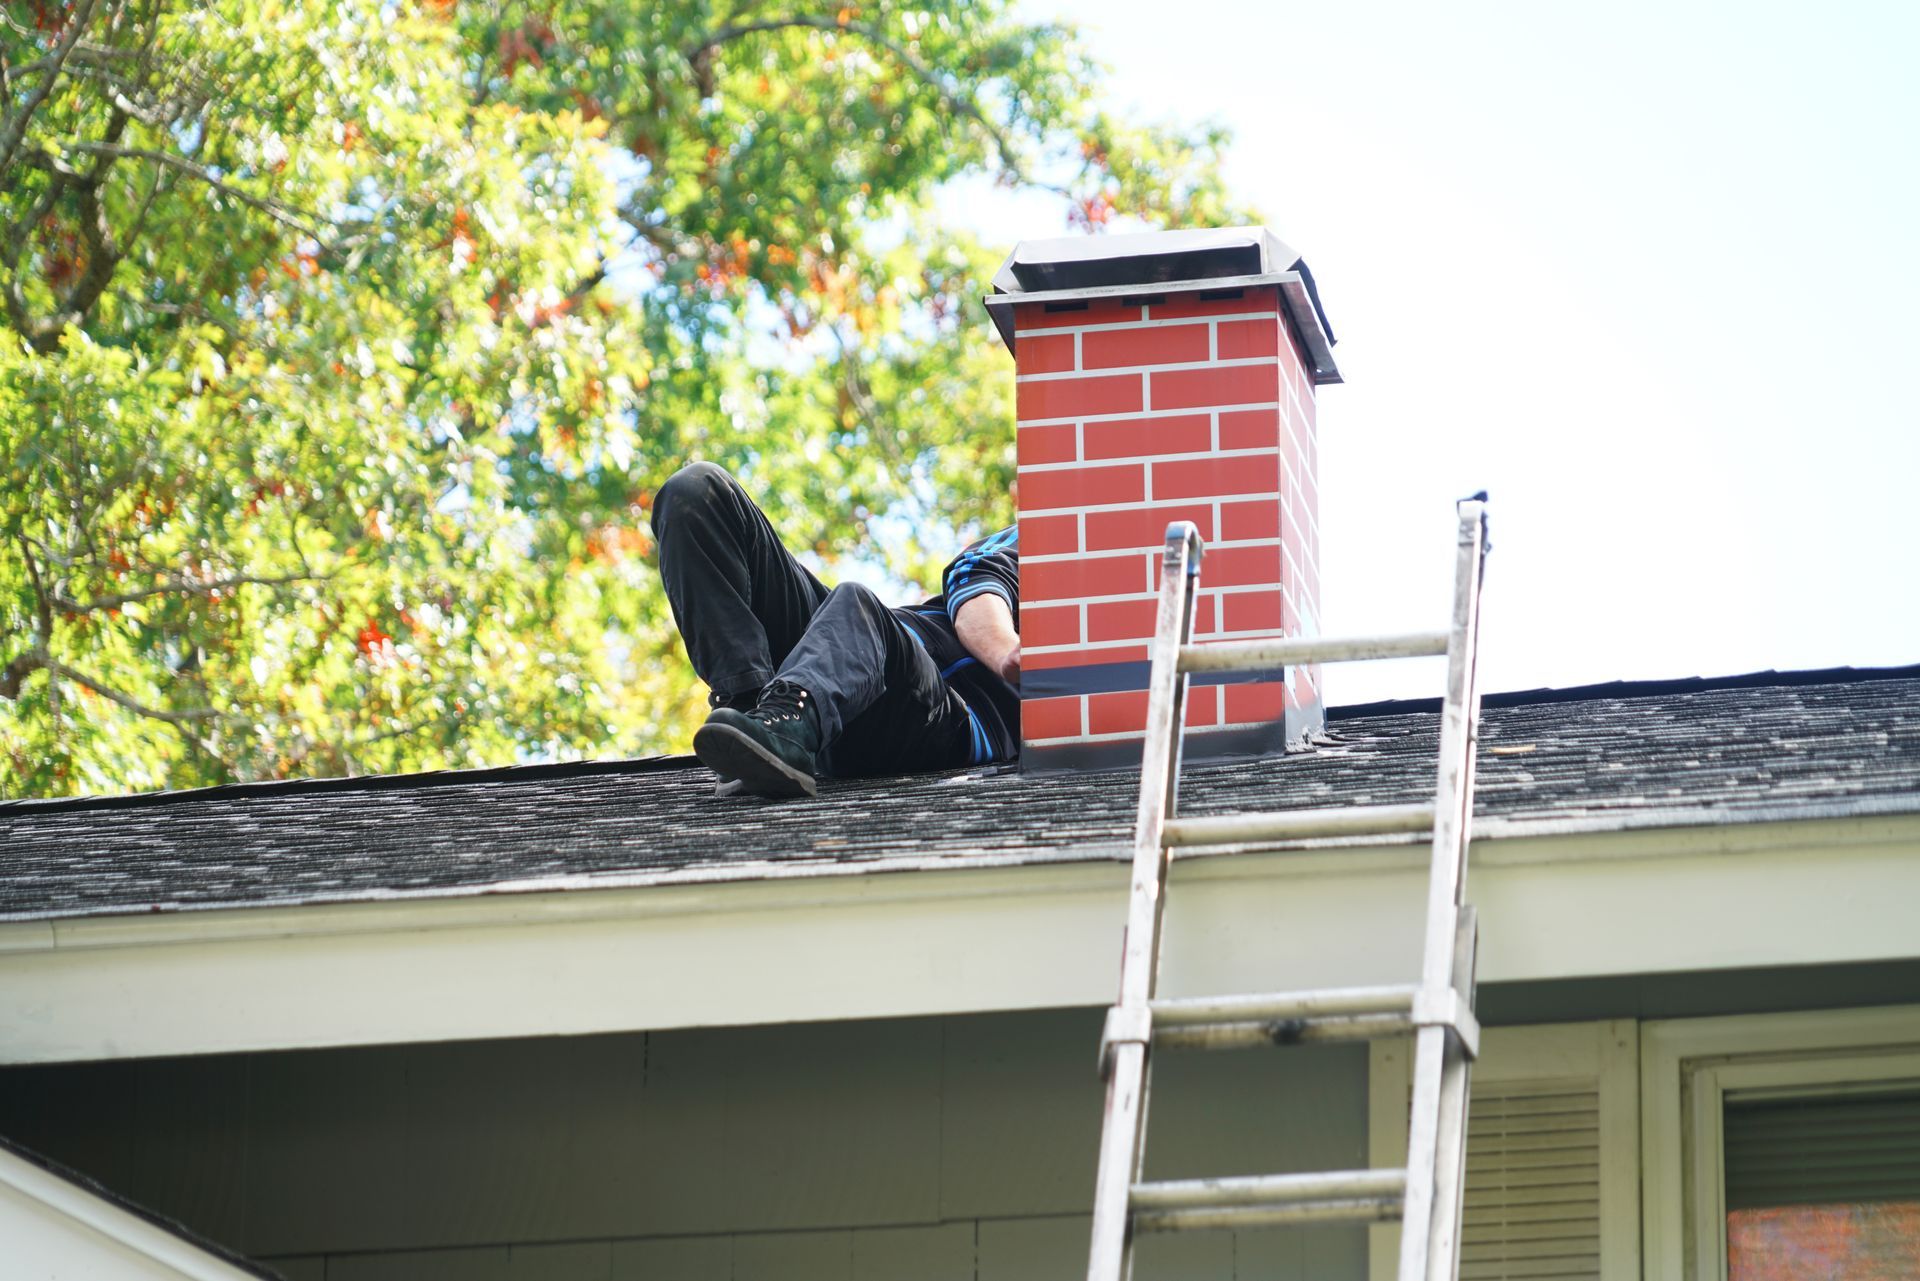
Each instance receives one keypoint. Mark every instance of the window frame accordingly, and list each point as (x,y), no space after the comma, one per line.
(1606,1051)
(1690,1066)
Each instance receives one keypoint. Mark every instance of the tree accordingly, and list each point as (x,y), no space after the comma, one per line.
(346,343)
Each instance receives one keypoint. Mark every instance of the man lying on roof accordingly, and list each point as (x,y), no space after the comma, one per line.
(808,680)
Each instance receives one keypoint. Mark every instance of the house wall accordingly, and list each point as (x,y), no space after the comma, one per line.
(959,1146)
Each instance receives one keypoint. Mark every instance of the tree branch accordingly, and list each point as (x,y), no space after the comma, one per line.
(15,129)
(24,664)
(84,54)
(38,660)
(15,297)
(43,610)
(299,220)
(183,716)
(960,103)
(854,380)
(43,607)
(658,236)
(183,587)
(587,284)
(103,256)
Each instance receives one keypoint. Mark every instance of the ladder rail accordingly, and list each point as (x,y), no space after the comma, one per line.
(1125,1044)
(1431,1200)
(1450,1170)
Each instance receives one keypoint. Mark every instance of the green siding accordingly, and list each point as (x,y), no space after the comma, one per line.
(954,1148)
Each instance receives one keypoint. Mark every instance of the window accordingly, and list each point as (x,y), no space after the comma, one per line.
(1783,1146)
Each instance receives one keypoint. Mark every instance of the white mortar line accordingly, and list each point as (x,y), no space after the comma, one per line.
(1126,414)
(1163,322)
(1192,455)
(1163,367)
(1056,557)
(1026,512)
(1237,633)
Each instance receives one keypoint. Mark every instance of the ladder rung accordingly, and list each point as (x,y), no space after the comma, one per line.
(1345,1195)
(1294,1018)
(1263,1189)
(1245,1036)
(1271,652)
(1186,1011)
(1360,1210)
(1292,825)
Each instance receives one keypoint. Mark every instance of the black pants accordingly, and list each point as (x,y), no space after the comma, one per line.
(750,613)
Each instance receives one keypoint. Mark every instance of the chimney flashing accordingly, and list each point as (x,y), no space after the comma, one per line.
(1297,295)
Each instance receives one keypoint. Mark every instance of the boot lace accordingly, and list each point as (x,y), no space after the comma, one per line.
(782,701)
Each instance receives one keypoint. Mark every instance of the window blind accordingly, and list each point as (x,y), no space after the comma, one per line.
(1857,1147)
(1532,1207)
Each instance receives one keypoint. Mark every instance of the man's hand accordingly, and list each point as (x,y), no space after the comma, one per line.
(985,627)
(1010,666)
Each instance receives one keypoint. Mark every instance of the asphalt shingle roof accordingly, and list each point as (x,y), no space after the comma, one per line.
(1767,747)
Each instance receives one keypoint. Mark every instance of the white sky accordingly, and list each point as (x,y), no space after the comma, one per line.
(1647,272)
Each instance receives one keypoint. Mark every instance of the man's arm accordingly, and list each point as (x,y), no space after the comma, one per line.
(985,626)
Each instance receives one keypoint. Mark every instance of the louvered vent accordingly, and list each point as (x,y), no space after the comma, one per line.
(1533,1181)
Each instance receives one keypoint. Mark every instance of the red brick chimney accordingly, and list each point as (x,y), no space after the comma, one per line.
(1162,377)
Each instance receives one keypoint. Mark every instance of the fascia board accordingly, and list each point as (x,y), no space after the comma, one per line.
(939,942)
(98,1231)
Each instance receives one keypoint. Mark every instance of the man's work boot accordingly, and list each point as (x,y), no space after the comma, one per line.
(744,701)
(771,749)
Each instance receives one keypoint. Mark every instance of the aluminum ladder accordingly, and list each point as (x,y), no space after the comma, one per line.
(1426,1195)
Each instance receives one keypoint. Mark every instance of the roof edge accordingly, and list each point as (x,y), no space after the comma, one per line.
(1733,828)
(356,783)
(1636,689)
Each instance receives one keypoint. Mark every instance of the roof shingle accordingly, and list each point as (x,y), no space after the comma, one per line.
(1707,753)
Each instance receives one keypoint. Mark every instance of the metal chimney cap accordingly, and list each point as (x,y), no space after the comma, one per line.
(1146,258)
(1062,268)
